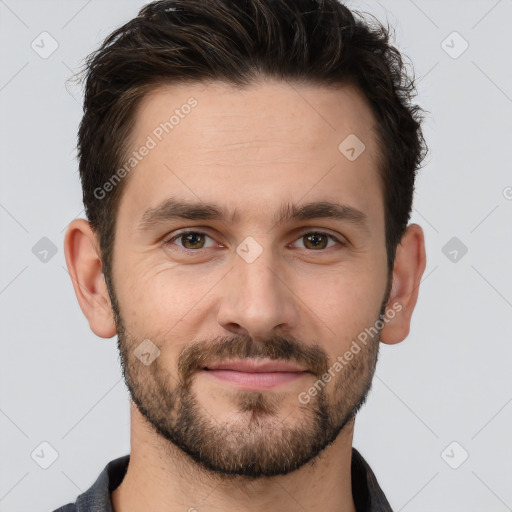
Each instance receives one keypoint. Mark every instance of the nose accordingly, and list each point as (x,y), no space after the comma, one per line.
(258,299)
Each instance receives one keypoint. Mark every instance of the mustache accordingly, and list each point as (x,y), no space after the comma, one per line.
(198,355)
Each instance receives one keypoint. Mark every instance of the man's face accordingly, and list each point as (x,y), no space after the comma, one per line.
(254,288)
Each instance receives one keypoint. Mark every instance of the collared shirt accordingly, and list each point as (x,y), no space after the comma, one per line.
(366,492)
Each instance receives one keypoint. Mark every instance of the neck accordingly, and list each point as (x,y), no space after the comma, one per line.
(161,478)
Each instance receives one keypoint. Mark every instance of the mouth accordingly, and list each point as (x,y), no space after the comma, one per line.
(255,373)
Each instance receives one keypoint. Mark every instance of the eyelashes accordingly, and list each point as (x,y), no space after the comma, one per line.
(314,233)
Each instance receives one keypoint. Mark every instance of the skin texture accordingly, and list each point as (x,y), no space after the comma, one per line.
(199,442)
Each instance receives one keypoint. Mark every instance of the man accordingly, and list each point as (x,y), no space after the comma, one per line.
(248,170)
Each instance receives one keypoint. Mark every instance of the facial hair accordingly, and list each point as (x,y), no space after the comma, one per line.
(259,443)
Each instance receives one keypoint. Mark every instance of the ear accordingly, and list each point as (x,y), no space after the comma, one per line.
(410,262)
(84,265)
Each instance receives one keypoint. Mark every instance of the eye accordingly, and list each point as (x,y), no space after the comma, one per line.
(317,240)
(191,240)
(195,240)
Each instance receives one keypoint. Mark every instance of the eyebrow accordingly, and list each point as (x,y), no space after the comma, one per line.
(172,209)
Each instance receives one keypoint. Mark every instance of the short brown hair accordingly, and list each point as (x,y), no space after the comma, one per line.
(318,42)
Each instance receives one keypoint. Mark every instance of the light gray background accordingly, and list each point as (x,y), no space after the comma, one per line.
(449,381)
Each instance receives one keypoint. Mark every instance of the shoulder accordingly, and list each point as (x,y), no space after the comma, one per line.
(70,507)
(97,497)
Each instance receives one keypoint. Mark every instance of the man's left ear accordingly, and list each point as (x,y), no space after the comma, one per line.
(410,262)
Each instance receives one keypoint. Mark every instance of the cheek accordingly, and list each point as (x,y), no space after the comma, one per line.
(349,289)
(348,303)
(143,299)
(158,298)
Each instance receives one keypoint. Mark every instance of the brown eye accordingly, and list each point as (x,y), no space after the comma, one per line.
(193,241)
(317,240)
(190,240)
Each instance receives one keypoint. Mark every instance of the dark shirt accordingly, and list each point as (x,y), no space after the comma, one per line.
(367,494)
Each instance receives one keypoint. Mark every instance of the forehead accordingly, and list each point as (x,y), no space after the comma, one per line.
(261,145)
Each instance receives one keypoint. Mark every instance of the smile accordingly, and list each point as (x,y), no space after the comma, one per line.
(255,373)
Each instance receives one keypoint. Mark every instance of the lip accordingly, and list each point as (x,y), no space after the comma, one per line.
(255,366)
(255,373)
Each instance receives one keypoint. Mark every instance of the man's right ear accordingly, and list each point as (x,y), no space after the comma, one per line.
(85,268)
